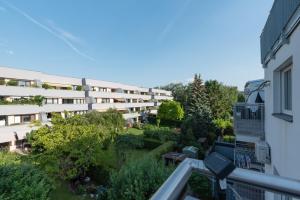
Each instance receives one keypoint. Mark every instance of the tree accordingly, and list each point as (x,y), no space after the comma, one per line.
(221,99)
(70,146)
(197,98)
(21,180)
(170,110)
(179,91)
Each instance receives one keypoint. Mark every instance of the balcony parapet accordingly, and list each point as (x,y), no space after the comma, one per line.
(174,185)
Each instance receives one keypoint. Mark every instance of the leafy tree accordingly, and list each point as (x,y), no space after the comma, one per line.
(138,180)
(21,180)
(180,92)
(70,146)
(170,110)
(241,97)
(38,99)
(221,99)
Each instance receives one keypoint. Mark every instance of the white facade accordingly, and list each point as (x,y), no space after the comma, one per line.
(282,105)
(62,94)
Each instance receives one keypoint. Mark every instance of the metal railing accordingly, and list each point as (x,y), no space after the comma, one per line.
(279,17)
(269,184)
(249,119)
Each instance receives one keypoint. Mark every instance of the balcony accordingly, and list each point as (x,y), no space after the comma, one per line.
(276,26)
(241,184)
(249,120)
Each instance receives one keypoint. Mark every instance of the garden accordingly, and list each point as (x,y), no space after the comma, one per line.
(94,156)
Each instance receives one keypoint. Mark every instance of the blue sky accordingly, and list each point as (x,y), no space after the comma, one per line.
(141,42)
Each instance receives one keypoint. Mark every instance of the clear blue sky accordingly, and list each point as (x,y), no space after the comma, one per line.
(142,42)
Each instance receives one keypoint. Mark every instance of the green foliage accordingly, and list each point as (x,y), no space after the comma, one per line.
(79,88)
(150,143)
(221,98)
(179,91)
(47,86)
(2,82)
(170,110)
(22,181)
(161,133)
(201,186)
(241,97)
(70,146)
(128,141)
(162,149)
(12,83)
(197,99)
(138,180)
(224,127)
(69,88)
(200,122)
(36,100)
(229,138)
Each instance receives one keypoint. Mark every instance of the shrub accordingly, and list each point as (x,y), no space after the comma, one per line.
(200,185)
(12,83)
(224,127)
(22,181)
(229,138)
(47,86)
(163,134)
(2,82)
(138,180)
(151,143)
(162,149)
(79,88)
(128,141)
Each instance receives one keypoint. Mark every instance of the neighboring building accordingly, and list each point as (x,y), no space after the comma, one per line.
(280,56)
(75,95)
(254,91)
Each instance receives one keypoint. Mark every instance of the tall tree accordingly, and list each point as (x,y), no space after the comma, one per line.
(221,99)
(197,97)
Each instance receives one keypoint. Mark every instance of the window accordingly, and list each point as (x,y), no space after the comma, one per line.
(286,90)
(282,91)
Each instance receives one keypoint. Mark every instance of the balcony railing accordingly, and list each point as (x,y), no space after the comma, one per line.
(241,183)
(249,119)
(278,19)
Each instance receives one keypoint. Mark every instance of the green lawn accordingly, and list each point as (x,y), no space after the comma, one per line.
(135,131)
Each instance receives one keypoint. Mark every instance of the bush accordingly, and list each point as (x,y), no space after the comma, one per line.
(79,88)
(22,181)
(160,133)
(151,143)
(2,82)
(201,186)
(224,127)
(12,83)
(162,149)
(229,138)
(46,86)
(138,180)
(128,141)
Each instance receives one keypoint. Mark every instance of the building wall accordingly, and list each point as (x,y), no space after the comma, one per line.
(98,95)
(282,136)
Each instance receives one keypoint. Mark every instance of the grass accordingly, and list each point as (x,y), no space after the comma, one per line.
(135,131)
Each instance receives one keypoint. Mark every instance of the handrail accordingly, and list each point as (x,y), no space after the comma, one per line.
(173,186)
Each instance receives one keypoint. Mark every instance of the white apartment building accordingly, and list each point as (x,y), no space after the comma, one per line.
(280,52)
(75,95)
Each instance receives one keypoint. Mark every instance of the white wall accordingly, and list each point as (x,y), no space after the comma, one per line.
(283,136)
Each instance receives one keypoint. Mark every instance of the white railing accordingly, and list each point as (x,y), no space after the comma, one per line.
(31,91)
(173,187)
